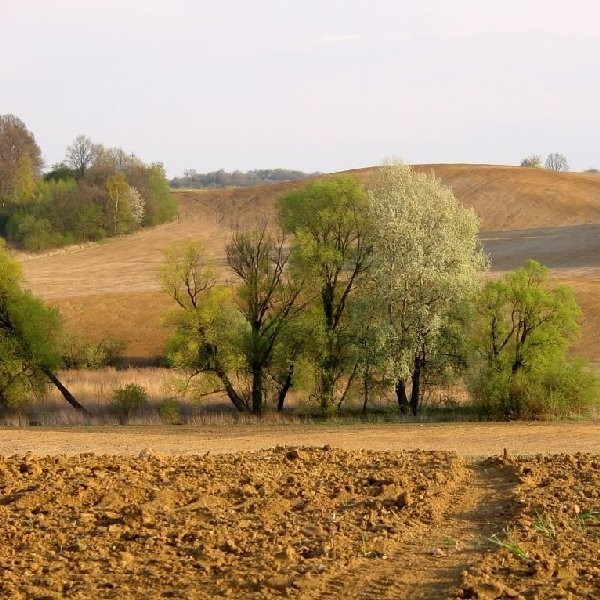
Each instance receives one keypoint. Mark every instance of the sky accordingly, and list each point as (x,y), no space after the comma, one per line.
(317,85)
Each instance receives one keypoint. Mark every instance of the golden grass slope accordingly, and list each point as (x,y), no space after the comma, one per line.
(111,288)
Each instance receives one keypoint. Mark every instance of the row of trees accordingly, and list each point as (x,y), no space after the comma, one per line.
(554,162)
(218,179)
(96,192)
(353,292)
(358,291)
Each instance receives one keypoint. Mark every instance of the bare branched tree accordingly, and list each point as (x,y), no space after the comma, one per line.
(556,162)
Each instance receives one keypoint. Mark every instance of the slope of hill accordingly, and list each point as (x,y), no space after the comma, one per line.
(111,288)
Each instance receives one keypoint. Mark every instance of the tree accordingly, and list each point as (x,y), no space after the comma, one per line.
(207,337)
(427,266)
(20,157)
(81,154)
(523,335)
(267,298)
(29,333)
(125,207)
(232,339)
(533,160)
(332,249)
(556,162)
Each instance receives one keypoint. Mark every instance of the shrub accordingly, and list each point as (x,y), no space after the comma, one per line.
(85,354)
(553,391)
(128,401)
(170,410)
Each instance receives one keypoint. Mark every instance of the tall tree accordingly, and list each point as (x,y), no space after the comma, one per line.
(427,262)
(332,248)
(81,154)
(20,157)
(267,298)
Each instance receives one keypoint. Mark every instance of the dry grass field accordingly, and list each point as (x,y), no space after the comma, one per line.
(111,289)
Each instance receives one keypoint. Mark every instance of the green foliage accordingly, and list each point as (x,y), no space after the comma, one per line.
(161,204)
(521,368)
(78,353)
(28,334)
(170,411)
(105,192)
(331,252)
(128,401)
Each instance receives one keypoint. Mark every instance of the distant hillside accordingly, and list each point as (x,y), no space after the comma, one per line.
(220,179)
(112,288)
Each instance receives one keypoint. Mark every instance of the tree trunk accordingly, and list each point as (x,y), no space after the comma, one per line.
(229,389)
(415,395)
(326,390)
(257,392)
(366,391)
(287,384)
(402,397)
(65,392)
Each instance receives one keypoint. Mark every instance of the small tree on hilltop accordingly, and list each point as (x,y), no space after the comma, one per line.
(556,162)
(533,160)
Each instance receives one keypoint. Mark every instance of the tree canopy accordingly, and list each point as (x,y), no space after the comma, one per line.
(525,327)
(97,192)
(427,267)
(29,335)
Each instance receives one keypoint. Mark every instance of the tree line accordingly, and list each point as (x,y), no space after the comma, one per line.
(351,293)
(219,179)
(357,292)
(96,192)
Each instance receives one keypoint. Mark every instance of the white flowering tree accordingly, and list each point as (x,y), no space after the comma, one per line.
(427,267)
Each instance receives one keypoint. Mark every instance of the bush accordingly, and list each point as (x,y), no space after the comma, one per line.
(170,411)
(85,354)
(555,391)
(533,160)
(128,401)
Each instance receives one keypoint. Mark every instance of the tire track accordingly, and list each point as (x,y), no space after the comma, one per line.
(428,565)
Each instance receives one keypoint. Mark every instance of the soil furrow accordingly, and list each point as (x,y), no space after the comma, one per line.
(429,563)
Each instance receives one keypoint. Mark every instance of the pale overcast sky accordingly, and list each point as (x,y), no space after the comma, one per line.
(314,85)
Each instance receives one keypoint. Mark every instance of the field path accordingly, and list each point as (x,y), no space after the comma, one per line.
(468,439)
(429,564)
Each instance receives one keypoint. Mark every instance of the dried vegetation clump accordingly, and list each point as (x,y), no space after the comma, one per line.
(263,524)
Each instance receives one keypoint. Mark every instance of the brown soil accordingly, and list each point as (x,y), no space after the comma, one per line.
(469,439)
(551,547)
(300,523)
(112,289)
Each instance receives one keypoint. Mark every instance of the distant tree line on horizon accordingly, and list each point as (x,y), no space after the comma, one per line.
(96,192)
(554,162)
(219,179)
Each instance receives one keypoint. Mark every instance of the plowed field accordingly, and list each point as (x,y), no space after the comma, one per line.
(300,523)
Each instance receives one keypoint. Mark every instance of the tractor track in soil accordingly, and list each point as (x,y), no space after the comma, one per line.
(429,563)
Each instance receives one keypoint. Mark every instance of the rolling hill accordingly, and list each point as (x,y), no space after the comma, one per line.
(111,288)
